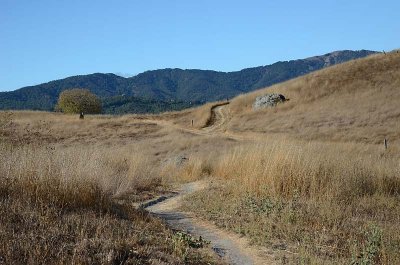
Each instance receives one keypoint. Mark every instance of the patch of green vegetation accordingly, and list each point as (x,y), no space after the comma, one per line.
(188,240)
(131,104)
(369,252)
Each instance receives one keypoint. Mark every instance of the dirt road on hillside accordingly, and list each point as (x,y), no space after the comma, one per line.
(219,118)
(217,126)
(229,246)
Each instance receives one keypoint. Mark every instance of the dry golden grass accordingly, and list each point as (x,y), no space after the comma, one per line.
(316,171)
(315,199)
(357,101)
(67,130)
(311,177)
(58,207)
(66,195)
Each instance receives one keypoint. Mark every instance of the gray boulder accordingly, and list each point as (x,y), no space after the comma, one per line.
(268,100)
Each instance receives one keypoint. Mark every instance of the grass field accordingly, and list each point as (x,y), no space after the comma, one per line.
(320,201)
(309,177)
(67,192)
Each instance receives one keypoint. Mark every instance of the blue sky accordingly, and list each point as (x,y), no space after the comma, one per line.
(46,40)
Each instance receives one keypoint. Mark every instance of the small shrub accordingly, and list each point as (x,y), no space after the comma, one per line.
(188,240)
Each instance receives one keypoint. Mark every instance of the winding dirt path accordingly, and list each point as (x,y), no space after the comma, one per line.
(216,126)
(229,246)
(219,118)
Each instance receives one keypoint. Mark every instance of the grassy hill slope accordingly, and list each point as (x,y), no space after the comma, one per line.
(355,101)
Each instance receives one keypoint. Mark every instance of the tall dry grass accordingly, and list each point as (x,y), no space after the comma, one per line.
(74,171)
(74,206)
(316,171)
(317,200)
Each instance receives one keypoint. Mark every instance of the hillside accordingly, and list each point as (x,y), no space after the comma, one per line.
(356,101)
(171,84)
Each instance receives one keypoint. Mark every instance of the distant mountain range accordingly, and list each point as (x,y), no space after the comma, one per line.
(170,89)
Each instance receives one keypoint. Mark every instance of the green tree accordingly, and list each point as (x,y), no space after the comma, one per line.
(78,100)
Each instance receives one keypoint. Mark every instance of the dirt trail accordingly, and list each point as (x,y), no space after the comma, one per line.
(219,118)
(216,126)
(229,246)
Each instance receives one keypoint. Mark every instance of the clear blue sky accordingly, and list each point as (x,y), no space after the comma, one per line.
(52,39)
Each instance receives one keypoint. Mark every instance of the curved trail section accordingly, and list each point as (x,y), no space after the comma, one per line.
(232,248)
(217,125)
(219,118)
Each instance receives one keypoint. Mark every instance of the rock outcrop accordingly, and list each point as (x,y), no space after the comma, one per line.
(268,100)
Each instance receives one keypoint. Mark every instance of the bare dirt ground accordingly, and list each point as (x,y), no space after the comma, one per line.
(229,246)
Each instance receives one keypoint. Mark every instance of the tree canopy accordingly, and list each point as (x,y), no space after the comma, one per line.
(78,100)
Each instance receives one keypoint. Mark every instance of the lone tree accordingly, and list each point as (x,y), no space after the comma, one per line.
(78,101)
